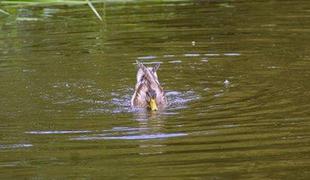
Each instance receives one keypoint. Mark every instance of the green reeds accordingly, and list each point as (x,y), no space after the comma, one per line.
(4,12)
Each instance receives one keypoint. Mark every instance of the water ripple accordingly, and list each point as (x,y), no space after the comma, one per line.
(58,132)
(131,137)
(14,146)
(121,103)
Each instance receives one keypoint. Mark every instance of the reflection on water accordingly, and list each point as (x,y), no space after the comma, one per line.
(235,74)
(130,137)
(56,132)
(14,146)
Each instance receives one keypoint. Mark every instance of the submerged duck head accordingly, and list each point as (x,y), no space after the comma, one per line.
(151,99)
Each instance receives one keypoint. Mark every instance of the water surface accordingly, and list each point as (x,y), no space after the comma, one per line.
(236,75)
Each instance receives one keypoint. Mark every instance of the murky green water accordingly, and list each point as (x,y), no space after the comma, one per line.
(236,75)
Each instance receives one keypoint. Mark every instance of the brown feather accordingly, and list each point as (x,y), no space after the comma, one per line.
(147,80)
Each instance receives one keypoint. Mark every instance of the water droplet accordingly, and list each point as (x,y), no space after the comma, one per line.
(226,82)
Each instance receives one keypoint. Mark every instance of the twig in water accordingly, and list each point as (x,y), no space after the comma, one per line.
(94,10)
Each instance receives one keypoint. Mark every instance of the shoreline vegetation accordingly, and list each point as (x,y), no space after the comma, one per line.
(54,2)
(68,2)
(75,2)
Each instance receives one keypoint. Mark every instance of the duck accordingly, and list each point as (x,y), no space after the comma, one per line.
(148,92)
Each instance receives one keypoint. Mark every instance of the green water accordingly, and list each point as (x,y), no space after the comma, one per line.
(236,75)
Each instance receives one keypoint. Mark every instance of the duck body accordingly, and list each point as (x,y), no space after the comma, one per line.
(148,91)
